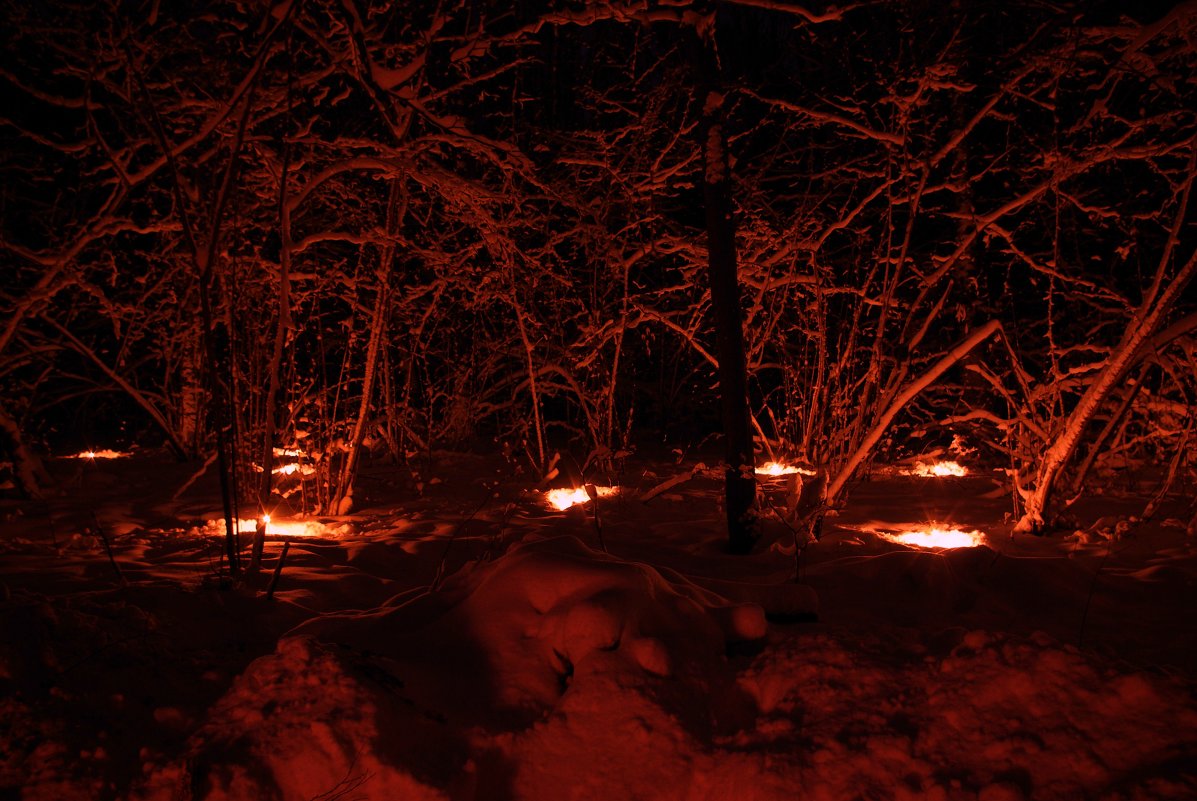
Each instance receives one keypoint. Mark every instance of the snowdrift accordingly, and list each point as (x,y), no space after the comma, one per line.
(556,672)
(553,646)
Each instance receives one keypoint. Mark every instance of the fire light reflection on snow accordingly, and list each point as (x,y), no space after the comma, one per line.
(779,469)
(936,537)
(565,497)
(938,469)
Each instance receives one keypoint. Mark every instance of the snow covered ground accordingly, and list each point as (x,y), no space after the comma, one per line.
(541,667)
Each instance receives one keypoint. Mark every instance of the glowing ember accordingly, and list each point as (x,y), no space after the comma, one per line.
(938,469)
(936,537)
(779,469)
(562,499)
(100,455)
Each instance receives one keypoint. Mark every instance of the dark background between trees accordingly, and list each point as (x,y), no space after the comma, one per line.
(388,227)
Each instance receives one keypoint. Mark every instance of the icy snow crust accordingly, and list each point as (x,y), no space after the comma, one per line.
(542,668)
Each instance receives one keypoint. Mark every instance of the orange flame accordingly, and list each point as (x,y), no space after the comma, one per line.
(936,537)
(564,498)
(274,528)
(779,469)
(938,469)
(294,467)
(105,454)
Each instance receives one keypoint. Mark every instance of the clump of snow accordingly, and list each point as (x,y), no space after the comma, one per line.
(299,724)
(986,716)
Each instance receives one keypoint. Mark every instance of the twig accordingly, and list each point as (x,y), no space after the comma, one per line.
(681,478)
(195,477)
(1173,469)
(592,493)
(120,577)
(278,570)
(440,568)
(1080,635)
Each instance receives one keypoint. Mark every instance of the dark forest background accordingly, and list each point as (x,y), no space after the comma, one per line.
(372,229)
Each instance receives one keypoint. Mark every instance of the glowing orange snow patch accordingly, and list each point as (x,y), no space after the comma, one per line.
(935,537)
(779,469)
(938,469)
(562,499)
(100,455)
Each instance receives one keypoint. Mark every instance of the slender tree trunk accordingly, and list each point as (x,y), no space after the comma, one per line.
(339,504)
(1035,512)
(722,274)
(274,371)
(136,395)
(1157,301)
(1095,448)
(904,397)
(533,389)
(205,256)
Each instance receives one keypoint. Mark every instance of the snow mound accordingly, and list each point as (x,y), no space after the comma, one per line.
(502,641)
(551,646)
(969,715)
(304,723)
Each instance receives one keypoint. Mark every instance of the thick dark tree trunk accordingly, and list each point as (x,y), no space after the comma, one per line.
(725,304)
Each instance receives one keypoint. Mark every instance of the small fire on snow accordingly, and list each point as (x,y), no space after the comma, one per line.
(274,528)
(938,469)
(564,498)
(294,467)
(937,537)
(779,469)
(105,454)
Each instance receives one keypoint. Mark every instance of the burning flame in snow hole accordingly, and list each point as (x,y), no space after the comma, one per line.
(934,536)
(100,455)
(938,469)
(290,468)
(294,467)
(779,469)
(562,499)
(275,528)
